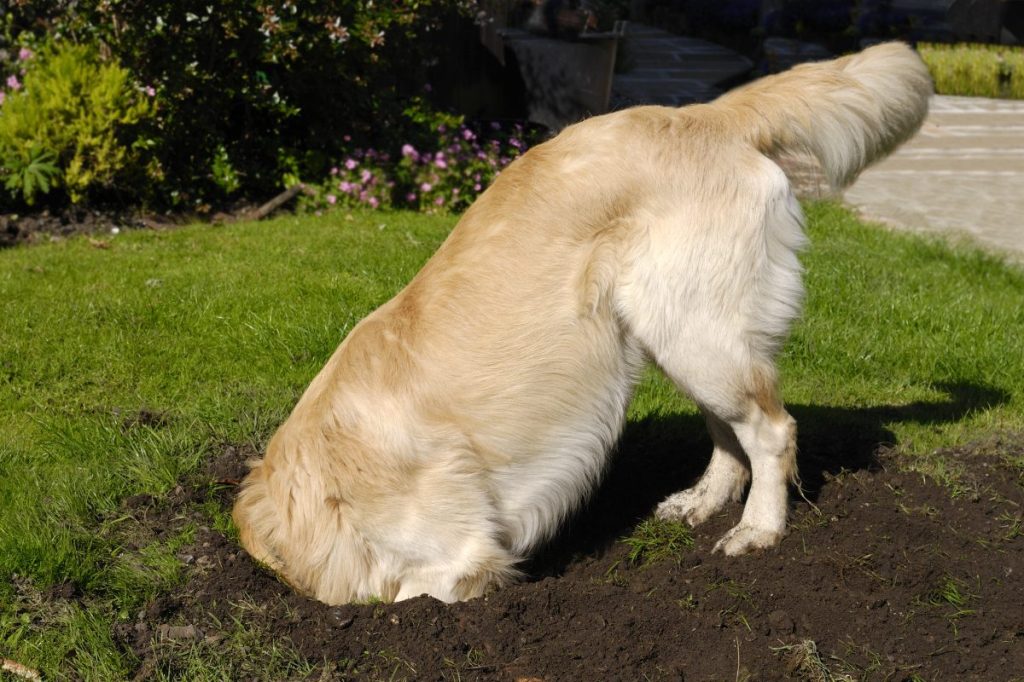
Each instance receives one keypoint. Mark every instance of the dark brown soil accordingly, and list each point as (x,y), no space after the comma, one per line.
(888,576)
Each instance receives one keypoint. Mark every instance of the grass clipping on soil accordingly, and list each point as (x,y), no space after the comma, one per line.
(125,370)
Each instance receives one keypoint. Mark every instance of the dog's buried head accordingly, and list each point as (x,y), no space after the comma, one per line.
(457,425)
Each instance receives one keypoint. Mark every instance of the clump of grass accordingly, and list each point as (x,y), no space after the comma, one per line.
(656,540)
(952,595)
(803,662)
(950,592)
(975,70)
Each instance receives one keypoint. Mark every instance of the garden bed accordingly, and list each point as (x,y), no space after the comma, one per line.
(885,576)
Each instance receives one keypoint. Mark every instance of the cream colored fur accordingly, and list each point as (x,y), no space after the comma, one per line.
(458,425)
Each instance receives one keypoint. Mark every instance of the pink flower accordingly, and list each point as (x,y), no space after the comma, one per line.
(346,138)
(440,162)
(331,199)
(149,90)
(426,187)
(409,151)
(346,187)
(24,54)
(334,170)
(410,197)
(515,142)
(366,176)
(13,83)
(351,164)
(467,134)
(439,201)
(476,187)
(374,202)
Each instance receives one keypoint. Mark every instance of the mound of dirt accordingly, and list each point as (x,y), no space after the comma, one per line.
(887,576)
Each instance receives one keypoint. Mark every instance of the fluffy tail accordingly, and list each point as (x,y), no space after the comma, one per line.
(847,112)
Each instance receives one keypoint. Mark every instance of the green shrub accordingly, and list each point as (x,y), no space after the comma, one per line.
(254,93)
(67,125)
(975,70)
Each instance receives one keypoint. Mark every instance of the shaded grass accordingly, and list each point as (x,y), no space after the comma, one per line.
(122,368)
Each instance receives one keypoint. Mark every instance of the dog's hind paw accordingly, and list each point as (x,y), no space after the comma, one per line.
(694,506)
(743,539)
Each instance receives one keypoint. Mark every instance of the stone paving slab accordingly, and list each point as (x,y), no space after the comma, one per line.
(963,174)
(673,70)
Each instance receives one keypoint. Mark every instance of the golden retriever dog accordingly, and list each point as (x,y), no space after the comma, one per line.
(461,422)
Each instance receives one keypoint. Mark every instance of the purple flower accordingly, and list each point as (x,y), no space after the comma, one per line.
(515,142)
(366,176)
(346,187)
(408,151)
(24,54)
(351,164)
(331,199)
(467,134)
(440,162)
(13,83)
(426,187)
(442,128)
(374,202)
(410,197)
(495,125)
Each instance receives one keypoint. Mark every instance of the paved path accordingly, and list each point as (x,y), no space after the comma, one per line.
(963,173)
(672,70)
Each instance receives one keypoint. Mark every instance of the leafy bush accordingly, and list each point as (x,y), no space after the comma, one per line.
(976,70)
(68,123)
(255,93)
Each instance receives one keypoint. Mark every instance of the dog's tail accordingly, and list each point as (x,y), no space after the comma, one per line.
(847,112)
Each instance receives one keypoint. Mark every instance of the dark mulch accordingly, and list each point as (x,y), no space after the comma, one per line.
(44,226)
(888,576)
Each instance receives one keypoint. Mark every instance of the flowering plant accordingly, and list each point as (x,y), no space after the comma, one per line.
(447,176)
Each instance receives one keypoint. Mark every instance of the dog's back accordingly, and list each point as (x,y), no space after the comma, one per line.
(459,423)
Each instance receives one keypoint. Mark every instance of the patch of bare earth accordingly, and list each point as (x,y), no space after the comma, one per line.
(887,576)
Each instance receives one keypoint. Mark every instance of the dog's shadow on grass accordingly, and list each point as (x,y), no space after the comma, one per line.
(661,455)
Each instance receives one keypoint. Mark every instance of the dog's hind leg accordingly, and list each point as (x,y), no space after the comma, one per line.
(741,399)
(767,434)
(723,481)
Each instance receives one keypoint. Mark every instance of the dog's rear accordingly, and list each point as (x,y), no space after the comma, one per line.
(458,424)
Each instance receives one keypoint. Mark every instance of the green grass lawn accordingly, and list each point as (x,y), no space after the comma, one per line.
(122,367)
